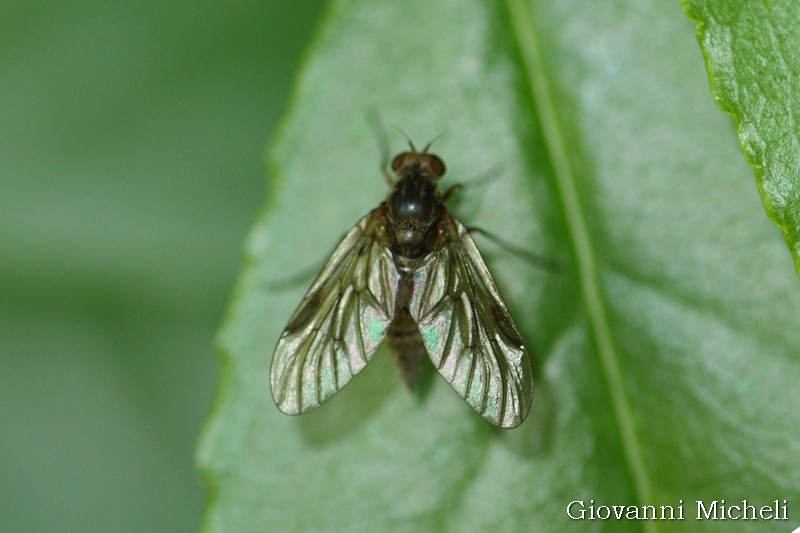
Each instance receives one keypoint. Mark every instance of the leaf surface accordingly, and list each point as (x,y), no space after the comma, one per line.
(752,52)
(664,352)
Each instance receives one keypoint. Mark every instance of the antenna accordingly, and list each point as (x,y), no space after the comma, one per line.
(425,150)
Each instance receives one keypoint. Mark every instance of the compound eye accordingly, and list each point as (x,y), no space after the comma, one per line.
(397,162)
(437,165)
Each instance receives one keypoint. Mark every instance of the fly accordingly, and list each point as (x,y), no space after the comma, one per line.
(408,273)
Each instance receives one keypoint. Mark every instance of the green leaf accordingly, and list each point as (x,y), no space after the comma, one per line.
(664,352)
(752,52)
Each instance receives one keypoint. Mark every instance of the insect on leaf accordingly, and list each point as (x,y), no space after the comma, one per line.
(410,273)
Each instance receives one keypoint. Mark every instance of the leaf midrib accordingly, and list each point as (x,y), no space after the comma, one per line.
(585,257)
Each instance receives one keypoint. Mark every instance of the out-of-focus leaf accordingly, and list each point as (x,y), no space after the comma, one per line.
(131,141)
(664,350)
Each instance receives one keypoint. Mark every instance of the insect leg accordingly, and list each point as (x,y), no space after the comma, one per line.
(451,190)
(383,145)
(477,181)
(299,279)
(527,255)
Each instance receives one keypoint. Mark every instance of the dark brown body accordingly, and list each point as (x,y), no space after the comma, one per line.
(406,343)
(414,210)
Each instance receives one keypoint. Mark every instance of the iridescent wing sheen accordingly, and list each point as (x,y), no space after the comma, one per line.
(469,333)
(339,324)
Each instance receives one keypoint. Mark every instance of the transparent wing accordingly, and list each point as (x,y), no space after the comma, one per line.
(469,333)
(339,324)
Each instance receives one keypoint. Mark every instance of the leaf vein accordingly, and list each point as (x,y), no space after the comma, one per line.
(585,256)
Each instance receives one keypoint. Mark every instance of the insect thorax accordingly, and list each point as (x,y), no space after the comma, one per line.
(413,209)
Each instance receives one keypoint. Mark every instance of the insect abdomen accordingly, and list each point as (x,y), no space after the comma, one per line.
(405,341)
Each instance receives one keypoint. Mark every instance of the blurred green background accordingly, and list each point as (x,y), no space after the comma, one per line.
(132,140)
